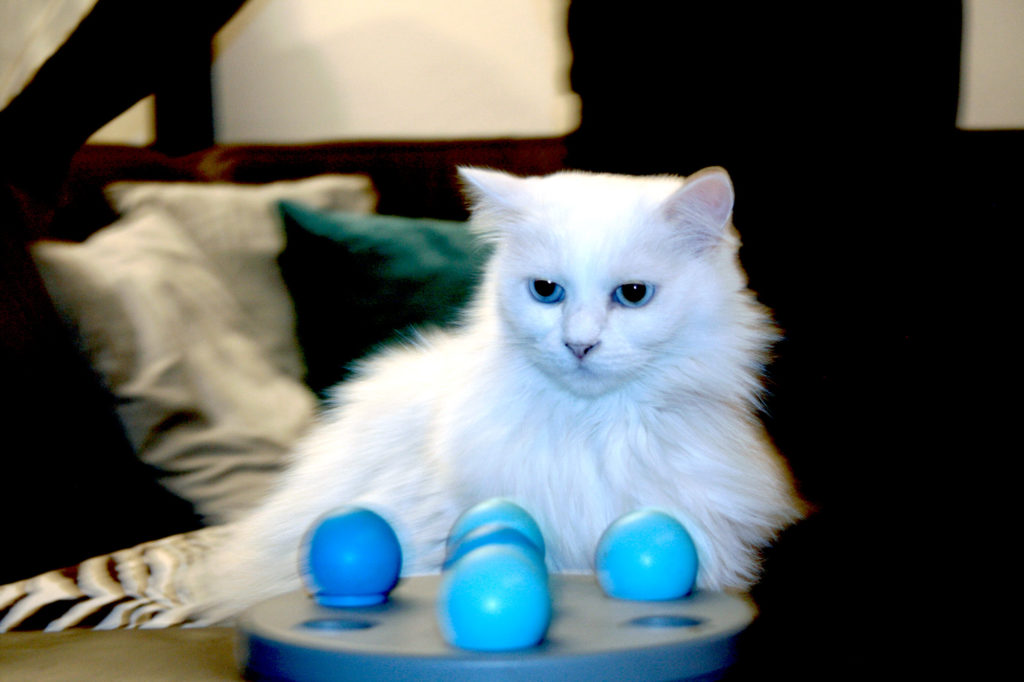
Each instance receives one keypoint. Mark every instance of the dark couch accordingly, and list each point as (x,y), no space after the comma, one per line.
(82,492)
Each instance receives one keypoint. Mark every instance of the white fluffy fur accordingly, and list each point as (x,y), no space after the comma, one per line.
(661,412)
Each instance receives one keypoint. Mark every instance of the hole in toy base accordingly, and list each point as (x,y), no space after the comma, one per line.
(666,621)
(337,624)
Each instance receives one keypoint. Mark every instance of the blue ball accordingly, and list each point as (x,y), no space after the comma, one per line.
(646,555)
(351,557)
(494,599)
(496,510)
(492,534)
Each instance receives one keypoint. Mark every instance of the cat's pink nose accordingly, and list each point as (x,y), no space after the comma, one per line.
(580,349)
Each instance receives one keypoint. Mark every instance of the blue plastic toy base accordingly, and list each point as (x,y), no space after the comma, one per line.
(591,637)
(350,600)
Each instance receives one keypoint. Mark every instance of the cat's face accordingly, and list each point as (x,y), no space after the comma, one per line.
(599,280)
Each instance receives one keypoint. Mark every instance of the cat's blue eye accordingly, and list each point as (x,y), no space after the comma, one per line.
(633,294)
(546,291)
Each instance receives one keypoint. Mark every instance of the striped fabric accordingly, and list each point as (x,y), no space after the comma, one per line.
(145,586)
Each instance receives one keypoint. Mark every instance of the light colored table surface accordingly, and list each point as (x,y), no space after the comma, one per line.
(194,654)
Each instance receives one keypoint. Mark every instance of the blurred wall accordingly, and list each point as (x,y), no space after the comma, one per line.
(302,70)
(30,30)
(992,65)
(297,70)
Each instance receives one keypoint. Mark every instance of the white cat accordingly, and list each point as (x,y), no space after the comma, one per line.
(610,361)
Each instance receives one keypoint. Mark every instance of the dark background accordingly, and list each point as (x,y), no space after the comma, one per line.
(869,224)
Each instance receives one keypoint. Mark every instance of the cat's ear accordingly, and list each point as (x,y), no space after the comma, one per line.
(495,189)
(494,197)
(701,208)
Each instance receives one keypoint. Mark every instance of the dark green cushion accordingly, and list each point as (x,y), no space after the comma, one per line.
(358,280)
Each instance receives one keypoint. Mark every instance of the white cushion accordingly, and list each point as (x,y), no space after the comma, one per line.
(201,399)
(239,229)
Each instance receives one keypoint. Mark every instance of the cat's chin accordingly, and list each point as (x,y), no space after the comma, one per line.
(584,381)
